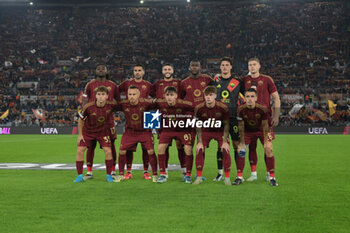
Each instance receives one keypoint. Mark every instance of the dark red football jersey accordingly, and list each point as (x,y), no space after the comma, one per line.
(91,87)
(158,87)
(252,117)
(134,113)
(144,87)
(264,86)
(177,112)
(96,118)
(192,88)
(113,93)
(219,112)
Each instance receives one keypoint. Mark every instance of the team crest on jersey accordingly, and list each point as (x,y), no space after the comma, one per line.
(218,86)
(260,82)
(135,117)
(109,89)
(189,86)
(218,114)
(203,84)
(127,110)
(245,116)
(161,84)
(225,94)
(197,92)
(142,109)
(93,114)
(101,119)
(144,87)
(204,115)
(108,111)
(178,110)
(252,123)
(249,82)
(257,115)
(174,83)
(165,110)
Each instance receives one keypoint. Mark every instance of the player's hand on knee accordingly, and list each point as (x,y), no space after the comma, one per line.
(80,138)
(199,147)
(226,147)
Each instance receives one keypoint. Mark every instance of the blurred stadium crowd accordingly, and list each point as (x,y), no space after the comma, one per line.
(48,55)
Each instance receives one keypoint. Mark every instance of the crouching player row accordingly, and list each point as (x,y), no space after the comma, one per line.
(212,109)
(253,125)
(93,126)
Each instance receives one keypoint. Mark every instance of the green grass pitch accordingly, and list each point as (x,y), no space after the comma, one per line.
(313,196)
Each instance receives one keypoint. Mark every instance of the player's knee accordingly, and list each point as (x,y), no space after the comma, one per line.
(150,152)
(80,151)
(122,152)
(188,150)
(162,148)
(268,151)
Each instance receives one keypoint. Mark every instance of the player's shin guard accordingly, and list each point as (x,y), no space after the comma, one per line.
(90,156)
(121,163)
(182,157)
(166,157)
(114,155)
(240,161)
(129,159)
(109,165)
(153,162)
(253,157)
(79,165)
(227,163)
(270,166)
(145,159)
(219,158)
(161,162)
(189,164)
(199,162)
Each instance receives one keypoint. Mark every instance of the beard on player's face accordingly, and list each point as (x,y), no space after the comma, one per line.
(168,75)
(138,76)
(194,72)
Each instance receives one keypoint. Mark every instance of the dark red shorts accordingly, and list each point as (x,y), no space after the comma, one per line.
(131,139)
(103,138)
(166,137)
(254,136)
(208,136)
(112,133)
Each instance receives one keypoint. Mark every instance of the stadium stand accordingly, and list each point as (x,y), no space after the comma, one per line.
(51,53)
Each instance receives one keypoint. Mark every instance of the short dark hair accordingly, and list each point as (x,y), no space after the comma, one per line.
(251,90)
(100,64)
(210,89)
(195,60)
(167,64)
(254,59)
(138,64)
(102,89)
(133,87)
(226,59)
(170,89)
